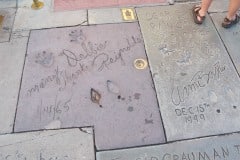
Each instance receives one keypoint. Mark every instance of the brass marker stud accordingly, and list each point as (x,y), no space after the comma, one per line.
(128,14)
(37,4)
(140,63)
(1,20)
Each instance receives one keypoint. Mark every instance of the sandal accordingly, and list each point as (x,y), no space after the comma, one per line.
(196,15)
(227,23)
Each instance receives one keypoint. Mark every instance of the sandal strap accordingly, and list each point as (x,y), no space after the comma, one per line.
(197,9)
(229,21)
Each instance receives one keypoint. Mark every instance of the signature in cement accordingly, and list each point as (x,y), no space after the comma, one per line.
(17,155)
(201,79)
(83,62)
(55,110)
(100,58)
(90,50)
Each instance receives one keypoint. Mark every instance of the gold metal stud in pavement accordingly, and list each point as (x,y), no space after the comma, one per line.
(140,63)
(37,4)
(128,14)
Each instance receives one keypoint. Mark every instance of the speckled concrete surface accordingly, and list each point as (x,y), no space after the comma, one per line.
(72,72)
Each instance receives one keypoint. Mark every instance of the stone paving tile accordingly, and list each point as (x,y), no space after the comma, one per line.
(212,148)
(69,144)
(27,18)
(219,6)
(107,15)
(60,5)
(11,63)
(61,70)
(230,37)
(7,3)
(6,26)
(197,85)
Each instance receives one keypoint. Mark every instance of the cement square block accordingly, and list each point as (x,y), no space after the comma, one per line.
(65,144)
(230,37)
(219,6)
(7,23)
(211,148)
(11,64)
(85,76)
(197,85)
(27,18)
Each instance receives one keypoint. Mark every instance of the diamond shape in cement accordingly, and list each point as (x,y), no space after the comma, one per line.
(45,145)
(85,76)
(230,37)
(7,16)
(197,84)
(211,148)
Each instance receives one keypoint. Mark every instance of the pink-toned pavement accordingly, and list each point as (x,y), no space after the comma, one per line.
(61,5)
(80,82)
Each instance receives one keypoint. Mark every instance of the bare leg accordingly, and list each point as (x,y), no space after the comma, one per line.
(205,4)
(233,7)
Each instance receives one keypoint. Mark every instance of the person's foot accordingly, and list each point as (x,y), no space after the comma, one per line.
(229,22)
(198,16)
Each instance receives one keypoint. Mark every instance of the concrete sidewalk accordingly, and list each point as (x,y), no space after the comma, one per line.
(88,84)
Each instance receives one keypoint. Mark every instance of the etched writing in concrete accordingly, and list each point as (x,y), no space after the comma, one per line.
(197,85)
(84,76)
(212,148)
(47,145)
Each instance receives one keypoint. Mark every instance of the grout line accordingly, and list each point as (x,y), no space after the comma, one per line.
(13,23)
(172,142)
(87,17)
(154,85)
(54,129)
(94,144)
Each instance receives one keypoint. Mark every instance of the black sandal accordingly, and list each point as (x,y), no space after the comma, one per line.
(195,12)
(227,23)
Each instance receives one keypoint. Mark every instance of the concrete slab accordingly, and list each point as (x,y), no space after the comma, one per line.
(11,64)
(107,15)
(197,84)
(219,6)
(230,37)
(27,18)
(85,76)
(212,148)
(60,5)
(7,23)
(8,3)
(59,144)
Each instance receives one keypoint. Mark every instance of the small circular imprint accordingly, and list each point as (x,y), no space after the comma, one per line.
(218,111)
(235,107)
(130,108)
(140,63)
